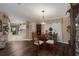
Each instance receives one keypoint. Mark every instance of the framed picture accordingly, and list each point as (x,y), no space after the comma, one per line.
(0,26)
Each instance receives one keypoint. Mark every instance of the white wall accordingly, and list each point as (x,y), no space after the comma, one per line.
(56,28)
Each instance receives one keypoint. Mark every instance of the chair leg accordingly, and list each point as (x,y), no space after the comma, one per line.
(37,51)
(55,49)
(52,47)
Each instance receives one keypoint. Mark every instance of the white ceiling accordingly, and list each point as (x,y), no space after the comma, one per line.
(32,11)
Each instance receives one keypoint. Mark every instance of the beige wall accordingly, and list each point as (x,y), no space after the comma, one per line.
(66,22)
(31,28)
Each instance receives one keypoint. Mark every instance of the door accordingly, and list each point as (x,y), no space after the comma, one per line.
(38,29)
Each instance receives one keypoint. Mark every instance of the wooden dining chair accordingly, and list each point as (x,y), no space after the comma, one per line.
(36,40)
(51,41)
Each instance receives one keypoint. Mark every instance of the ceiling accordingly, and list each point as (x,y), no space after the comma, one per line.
(32,11)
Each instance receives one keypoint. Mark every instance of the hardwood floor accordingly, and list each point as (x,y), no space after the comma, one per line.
(26,48)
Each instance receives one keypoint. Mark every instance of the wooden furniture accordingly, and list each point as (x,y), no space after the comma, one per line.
(38,29)
(50,44)
(53,40)
(43,38)
(36,40)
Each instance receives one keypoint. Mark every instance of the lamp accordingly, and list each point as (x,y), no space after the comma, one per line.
(43,11)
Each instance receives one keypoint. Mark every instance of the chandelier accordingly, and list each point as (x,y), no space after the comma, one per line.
(43,17)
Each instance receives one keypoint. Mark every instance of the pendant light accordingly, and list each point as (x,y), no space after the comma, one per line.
(43,17)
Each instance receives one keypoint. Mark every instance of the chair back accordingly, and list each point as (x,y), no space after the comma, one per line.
(50,36)
(55,37)
(35,38)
